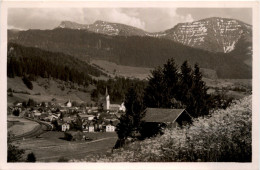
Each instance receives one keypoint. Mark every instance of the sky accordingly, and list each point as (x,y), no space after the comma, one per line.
(148,19)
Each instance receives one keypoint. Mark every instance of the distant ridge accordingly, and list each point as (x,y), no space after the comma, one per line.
(212,34)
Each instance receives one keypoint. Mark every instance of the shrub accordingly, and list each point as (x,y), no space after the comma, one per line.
(28,83)
(14,154)
(62,159)
(67,136)
(16,112)
(225,136)
(73,135)
(31,157)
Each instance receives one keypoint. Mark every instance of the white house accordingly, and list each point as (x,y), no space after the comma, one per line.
(91,128)
(122,107)
(110,128)
(65,127)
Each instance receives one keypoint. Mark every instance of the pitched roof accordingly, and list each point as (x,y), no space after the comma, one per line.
(162,115)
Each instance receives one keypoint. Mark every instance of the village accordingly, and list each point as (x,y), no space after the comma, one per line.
(66,117)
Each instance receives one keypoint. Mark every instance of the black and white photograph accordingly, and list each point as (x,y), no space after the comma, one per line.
(112,83)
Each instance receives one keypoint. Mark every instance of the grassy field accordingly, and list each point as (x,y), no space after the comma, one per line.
(46,90)
(50,147)
(20,126)
(230,85)
(119,70)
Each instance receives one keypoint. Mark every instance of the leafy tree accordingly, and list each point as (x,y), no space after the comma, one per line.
(31,102)
(16,112)
(14,154)
(130,122)
(31,157)
(43,104)
(94,95)
(77,125)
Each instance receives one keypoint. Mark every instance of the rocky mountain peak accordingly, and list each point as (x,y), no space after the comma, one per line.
(212,34)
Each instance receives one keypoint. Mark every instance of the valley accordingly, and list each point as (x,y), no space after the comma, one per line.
(79,91)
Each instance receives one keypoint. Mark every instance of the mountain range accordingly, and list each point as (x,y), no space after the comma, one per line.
(223,45)
(212,34)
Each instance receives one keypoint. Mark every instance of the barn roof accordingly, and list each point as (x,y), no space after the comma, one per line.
(162,114)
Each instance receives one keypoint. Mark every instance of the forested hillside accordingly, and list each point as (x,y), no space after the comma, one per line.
(24,61)
(132,51)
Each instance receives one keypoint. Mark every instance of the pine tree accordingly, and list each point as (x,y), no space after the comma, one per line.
(200,97)
(154,92)
(186,81)
(170,83)
(130,122)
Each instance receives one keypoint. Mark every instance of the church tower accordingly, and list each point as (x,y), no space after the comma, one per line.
(107,101)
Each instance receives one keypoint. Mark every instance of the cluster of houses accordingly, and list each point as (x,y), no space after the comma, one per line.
(66,115)
(91,119)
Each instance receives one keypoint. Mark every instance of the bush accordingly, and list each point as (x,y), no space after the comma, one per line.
(68,136)
(73,135)
(16,112)
(225,136)
(14,154)
(28,83)
(62,159)
(11,94)
(31,157)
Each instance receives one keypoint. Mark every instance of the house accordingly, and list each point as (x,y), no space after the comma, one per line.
(91,128)
(110,128)
(86,117)
(65,127)
(174,117)
(122,107)
(158,118)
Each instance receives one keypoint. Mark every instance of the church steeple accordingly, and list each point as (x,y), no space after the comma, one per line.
(106,92)
(107,101)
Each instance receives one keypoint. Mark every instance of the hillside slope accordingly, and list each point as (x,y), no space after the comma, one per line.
(132,51)
(45,90)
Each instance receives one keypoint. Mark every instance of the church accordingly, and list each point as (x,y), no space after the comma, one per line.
(112,107)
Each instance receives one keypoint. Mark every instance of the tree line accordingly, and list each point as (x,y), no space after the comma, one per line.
(168,87)
(23,61)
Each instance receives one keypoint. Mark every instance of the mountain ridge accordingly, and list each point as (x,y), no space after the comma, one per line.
(213,34)
(138,51)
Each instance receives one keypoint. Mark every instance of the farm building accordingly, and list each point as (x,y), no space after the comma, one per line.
(158,118)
